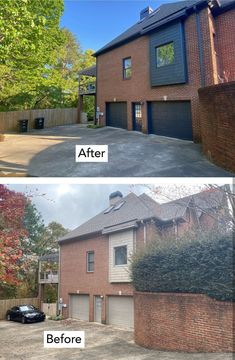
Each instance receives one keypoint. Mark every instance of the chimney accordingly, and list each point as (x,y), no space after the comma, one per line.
(145,12)
(115,197)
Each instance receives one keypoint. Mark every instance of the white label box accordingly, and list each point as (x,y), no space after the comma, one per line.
(64,339)
(91,153)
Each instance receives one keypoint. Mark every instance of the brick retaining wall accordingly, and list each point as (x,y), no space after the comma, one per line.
(183,322)
(217,111)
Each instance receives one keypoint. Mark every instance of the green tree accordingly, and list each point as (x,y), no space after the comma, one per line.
(29,38)
(88,60)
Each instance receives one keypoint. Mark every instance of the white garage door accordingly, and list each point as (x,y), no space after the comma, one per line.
(79,307)
(121,311)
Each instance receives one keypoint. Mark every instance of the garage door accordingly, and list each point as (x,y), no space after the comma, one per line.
(171,118)
(116,114)
(79,307)
(121,311)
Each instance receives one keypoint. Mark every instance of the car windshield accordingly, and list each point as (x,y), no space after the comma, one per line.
(27,308)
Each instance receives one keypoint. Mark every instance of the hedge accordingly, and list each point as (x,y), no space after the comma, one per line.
(204,267)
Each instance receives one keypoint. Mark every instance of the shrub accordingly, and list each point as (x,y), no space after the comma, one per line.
(203,265)
(56,318)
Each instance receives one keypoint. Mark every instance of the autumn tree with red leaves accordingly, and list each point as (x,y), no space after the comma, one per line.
(12,231)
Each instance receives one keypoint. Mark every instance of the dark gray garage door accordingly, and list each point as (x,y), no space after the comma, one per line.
(116,114)
(171,118)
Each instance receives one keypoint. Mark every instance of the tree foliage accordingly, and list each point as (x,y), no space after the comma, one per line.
(39,61)
(12,230)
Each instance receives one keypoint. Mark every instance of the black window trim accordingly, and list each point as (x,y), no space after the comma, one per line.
(158,46)
(89,262)
(116,247)
(124,68)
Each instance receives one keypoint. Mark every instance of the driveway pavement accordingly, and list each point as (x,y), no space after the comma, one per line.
(25,342)
(51,152)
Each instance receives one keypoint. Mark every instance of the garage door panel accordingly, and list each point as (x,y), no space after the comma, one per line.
(79,307)
(116,114)
(171,118)
(121,311)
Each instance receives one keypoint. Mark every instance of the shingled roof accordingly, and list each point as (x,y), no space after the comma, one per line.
(135,208)
(166,13)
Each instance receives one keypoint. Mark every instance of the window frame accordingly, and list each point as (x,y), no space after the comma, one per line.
(90,262)
(126,68)
(156,54)
(114,255)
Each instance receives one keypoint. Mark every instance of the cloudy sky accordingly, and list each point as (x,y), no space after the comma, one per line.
(73,204)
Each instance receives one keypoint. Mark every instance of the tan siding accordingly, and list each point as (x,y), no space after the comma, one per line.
(120,273)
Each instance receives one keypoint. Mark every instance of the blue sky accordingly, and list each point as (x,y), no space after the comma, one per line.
(96,22)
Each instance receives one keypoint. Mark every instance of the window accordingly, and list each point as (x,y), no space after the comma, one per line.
(138,111)
(120,255)
(127,68)
(165,54)
(90,261)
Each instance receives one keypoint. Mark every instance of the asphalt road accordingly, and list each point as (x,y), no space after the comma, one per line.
(51,152)
(25,342)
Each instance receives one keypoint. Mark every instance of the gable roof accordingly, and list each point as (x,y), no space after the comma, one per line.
(137,208)
(166,13)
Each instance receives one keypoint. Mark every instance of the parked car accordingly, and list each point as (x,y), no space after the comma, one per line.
(24,314)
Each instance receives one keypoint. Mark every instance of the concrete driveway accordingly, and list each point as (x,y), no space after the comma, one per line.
(103,342)
(51,152)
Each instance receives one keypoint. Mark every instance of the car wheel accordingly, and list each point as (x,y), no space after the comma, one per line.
(8,317)
(23,320)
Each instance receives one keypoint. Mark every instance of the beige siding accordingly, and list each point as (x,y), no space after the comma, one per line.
(120,273)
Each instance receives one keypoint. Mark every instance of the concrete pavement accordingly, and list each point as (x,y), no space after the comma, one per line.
(51,153)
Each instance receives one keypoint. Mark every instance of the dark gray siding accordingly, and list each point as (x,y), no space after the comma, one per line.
(170,74)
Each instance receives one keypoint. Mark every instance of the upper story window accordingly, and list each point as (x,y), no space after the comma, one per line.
(120,255)
(90,261)
(165,54)
(127,68)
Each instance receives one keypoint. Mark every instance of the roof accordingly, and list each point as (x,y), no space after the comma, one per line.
(139,208)
(166,13)
(54,257)
(91,71)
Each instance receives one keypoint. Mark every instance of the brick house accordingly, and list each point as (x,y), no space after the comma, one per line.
(94,281)
(147,79)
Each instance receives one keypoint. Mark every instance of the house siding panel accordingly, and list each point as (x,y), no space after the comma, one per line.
(120,273)
(176,72)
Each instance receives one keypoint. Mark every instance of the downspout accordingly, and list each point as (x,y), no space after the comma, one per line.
(96,89)
(145,234)
(58,295)
(200,47)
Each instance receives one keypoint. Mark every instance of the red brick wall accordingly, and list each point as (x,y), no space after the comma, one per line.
(225,30)
(217,106)
(183,322)
(73,275)
(217,35)
(111,85)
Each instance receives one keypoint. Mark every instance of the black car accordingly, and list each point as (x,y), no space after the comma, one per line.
(25,314)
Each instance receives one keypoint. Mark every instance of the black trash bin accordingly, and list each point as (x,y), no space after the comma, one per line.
(23,125)
(39,123)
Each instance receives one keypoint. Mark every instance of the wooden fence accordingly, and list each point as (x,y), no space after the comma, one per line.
(49,309)
(9,121)
(9,303)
